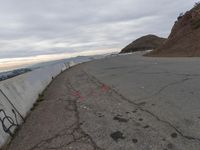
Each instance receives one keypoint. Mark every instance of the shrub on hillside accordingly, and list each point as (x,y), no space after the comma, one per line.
(197,5)
(180,16)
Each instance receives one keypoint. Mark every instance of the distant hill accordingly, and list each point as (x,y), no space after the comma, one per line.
(147,42)
(13,73)
(184,39)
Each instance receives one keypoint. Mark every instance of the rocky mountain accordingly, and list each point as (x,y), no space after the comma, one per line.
(147,42)
(184,39)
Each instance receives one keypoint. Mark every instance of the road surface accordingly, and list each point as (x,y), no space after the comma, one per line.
(121,103)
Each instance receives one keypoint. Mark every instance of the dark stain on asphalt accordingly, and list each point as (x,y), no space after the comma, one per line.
(147,126)
(142,103)
(100,115)
(120,119)
(169,146)
(140,119)
(134,140)
(174,135)
(134,111)
(81,123)
(117,135)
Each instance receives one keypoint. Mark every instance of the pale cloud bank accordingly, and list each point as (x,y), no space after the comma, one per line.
(61,28)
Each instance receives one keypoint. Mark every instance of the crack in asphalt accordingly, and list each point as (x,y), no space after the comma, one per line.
(139,70)
(95,146)
(75,127)
(162,89)
(96,81)
(59,134)
(169,73)
(84,137)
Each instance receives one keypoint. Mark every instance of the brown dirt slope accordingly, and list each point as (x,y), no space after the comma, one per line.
(144,43)
(184,40)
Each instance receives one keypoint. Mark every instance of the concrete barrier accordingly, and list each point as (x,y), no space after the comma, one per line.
(17,96)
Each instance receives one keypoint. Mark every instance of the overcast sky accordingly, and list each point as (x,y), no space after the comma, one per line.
(41,27)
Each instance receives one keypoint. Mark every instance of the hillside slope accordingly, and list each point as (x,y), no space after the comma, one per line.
(184,39)
(147,42)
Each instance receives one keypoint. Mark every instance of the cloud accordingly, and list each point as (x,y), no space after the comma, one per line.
(39,27)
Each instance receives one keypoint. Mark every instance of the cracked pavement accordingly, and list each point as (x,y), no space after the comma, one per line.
(119,103)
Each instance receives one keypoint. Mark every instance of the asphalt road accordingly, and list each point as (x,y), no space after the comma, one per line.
(120,103)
